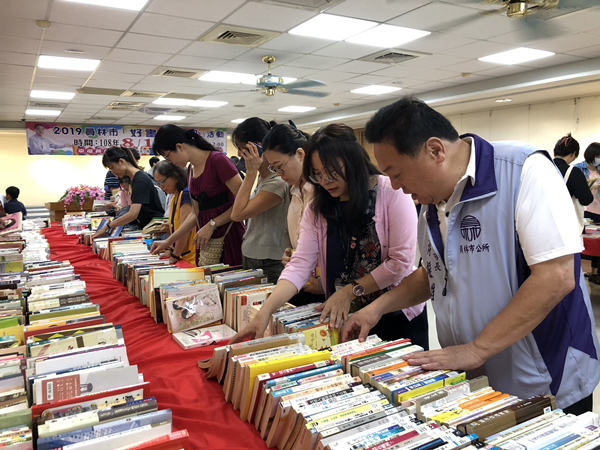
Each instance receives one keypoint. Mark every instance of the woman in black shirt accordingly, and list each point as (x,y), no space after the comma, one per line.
(566,151)
(145,203)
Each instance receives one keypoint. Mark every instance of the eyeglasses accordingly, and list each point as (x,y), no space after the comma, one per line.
(161,183)
(278,169)
(317,178)
(166,155)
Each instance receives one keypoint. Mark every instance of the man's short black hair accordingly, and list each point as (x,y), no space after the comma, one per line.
(39,125)
(407,124)
(13,191)
(153,161)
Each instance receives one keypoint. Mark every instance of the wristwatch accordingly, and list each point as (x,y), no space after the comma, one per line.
(213,224)
(358,290)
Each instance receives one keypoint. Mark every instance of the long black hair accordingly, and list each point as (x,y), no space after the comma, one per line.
(114,154)
(340,152)
(169,135)
(253,129)
(285,139)
(170,170)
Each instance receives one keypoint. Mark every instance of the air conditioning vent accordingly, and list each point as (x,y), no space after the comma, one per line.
(46,105)
(232,35)
(123,106)
(99,91)
(142,94)
(392,56)
(185,112)
(108,119)
(172,72)
(313,5)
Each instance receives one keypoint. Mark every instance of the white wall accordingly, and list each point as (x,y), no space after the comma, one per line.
(541,124)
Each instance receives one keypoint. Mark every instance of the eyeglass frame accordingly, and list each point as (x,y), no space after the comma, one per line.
(279,170)
(322,176)
(161,183)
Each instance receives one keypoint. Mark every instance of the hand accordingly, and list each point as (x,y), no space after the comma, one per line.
(203,236)
(337,307)
(101,232)
(254,330)
(158,247)
(164,228)
(108,206)
(173,260)
(2,224)
(252,158)
(456,357)
(312,286)
(287,256)
(362,322)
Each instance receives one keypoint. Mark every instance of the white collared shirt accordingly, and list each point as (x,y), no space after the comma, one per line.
(39,145)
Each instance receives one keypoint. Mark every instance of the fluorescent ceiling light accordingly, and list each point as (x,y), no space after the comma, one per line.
(296,108)
(375,90)
(287,80)
(42,112)
(133,5)
(335,28)
(228,77)
(169,117)
(516,56)
(52,94)
(503,100)
(237,120)
(207,103)
(386,36)
(64,63)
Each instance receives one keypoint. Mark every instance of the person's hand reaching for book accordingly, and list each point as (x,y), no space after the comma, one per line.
(203,236)
(254,330)
(101,232)
(337,307)
(312,286)
(159,247)
(360,323)
(457,357)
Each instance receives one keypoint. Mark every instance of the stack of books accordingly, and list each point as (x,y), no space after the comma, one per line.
(306,320)
(365,396)
(11,260)
(155,225)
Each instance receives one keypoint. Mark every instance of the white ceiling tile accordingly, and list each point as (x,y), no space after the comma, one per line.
(210,10)
(347,50)
(295,72)
(16,86)
(192,62)
(25,9)
(378,10)
(14,100)
(473,65)
(168,26)
(19,45)
(268,17)
(432,86)
(17,77)
(503,71)
(121,67)
(569,43)
(56,48)
(478,49)
(169,82)
(109,84)
(24,71)
(525,37)
(588,52)
(436,43)
(281,57)
(300,44)
(359,67)
(244,67)
(82,35)
(464,80)
(317,62)
(436,75)
(58,81)
(12,26)
(189,89)
(332,75)
(131,56)
(431,17)
(112,76)
(434,61)
(90,15)
(552,61)
(585,20)
(21,59)
(371,79)
(209,50)
(148,43)
(484,27)
(57,73)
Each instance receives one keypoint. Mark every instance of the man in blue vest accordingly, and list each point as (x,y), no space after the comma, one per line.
(500,246)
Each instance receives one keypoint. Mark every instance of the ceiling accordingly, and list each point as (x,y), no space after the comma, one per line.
(132,45)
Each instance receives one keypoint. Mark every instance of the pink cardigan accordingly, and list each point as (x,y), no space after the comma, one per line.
(396,224)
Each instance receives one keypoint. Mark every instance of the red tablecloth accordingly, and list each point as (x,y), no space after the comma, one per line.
(591,246)
(175,379)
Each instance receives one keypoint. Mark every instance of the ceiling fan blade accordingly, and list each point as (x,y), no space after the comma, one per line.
(537,29)
(304,84)
(462,21)
(307,93)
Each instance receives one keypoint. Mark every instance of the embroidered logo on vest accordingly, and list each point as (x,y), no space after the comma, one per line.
(470,228)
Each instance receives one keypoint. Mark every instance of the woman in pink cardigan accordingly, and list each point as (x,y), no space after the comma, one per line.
(362,232)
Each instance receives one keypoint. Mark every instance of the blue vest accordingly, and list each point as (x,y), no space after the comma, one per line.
(481,269)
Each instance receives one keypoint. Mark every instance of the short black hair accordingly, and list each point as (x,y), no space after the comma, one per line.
(13,191)
(169,135)
(153,161)
(566,145)
(170,170)
(285,139)
(253,129)
(407,124)
(592,152)
(39,125)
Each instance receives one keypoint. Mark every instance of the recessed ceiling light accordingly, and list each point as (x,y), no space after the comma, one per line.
(168,117)
(42,112)
(228,77)
(52,94)
(172,101)
(387,36)
(503,100)
(237,120)
(335,28)
(516,56)
(74,51)
(61,62)
(375,90)
(133,5)
(207,103)
(296,109)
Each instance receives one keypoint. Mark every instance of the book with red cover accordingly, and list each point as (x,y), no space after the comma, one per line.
(178,440)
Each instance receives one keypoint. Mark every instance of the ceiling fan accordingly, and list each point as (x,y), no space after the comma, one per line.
(269,84)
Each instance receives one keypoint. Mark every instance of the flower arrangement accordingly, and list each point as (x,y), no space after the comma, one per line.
(80,193)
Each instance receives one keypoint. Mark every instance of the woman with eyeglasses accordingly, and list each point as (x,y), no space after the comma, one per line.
(213,182)
(173,181)
(264,208)
(363,234)
(284,150)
